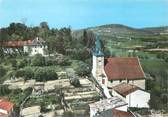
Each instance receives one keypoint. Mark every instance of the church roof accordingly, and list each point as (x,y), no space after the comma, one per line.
(118,68)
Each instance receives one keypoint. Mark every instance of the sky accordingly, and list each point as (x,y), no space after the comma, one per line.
(85,13)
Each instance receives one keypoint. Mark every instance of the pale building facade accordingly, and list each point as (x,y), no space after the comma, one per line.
(37,46)
(132,95)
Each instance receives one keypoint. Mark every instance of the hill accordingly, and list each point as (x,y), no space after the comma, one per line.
(116,31)
(157,30)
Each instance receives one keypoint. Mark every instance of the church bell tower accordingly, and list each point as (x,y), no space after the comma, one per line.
(98,61)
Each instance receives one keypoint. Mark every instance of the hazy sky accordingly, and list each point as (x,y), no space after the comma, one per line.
(85,13)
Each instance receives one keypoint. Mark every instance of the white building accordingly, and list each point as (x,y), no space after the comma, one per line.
(37,46)
(103,108)
(131,94)
(6,108)
(115,70)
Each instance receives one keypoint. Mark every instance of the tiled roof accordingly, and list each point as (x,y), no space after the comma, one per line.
(118,68)
(6,105)
(20,43)
(124,89)
(15,43)
(118,113)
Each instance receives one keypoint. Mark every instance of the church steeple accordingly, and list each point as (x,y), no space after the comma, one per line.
(98,62)
(98,48)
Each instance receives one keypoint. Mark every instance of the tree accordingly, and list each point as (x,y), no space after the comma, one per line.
(20,73)
(13,63)
(2,71)
(22,63)
(45,74)
(83,69)
(38,60)
(29,74)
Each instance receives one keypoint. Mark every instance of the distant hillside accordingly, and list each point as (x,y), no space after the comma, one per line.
(116,36)
(157,30)
(116,31)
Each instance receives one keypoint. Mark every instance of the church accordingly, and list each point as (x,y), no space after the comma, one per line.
(113,71)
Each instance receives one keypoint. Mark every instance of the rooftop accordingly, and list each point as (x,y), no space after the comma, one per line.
(6,105)
(15,43)
(118,113)
(107,104)
(118,68)
(21,43)
(124,89)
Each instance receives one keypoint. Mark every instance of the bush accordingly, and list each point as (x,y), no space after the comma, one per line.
(22,63)
(2,71)
(13,63)
(38,60)
(20,73)
(45,74)
(29,74)
(75,82)
(82,69)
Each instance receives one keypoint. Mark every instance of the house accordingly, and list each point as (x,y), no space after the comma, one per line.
(32,47)
(108,107)
(115,70)
(6,108)
(14,45)
(131,94)
(37,46)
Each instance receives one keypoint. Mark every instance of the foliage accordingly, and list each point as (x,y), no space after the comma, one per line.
(38,60)
(68,114)
(13,63)
(45,74)
(82,69)
(4,90)
(75,82)
(29,74)
(2,71)
(20,73)
(22,63)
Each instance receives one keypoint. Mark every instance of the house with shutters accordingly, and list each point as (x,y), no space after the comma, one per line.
(115,70)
